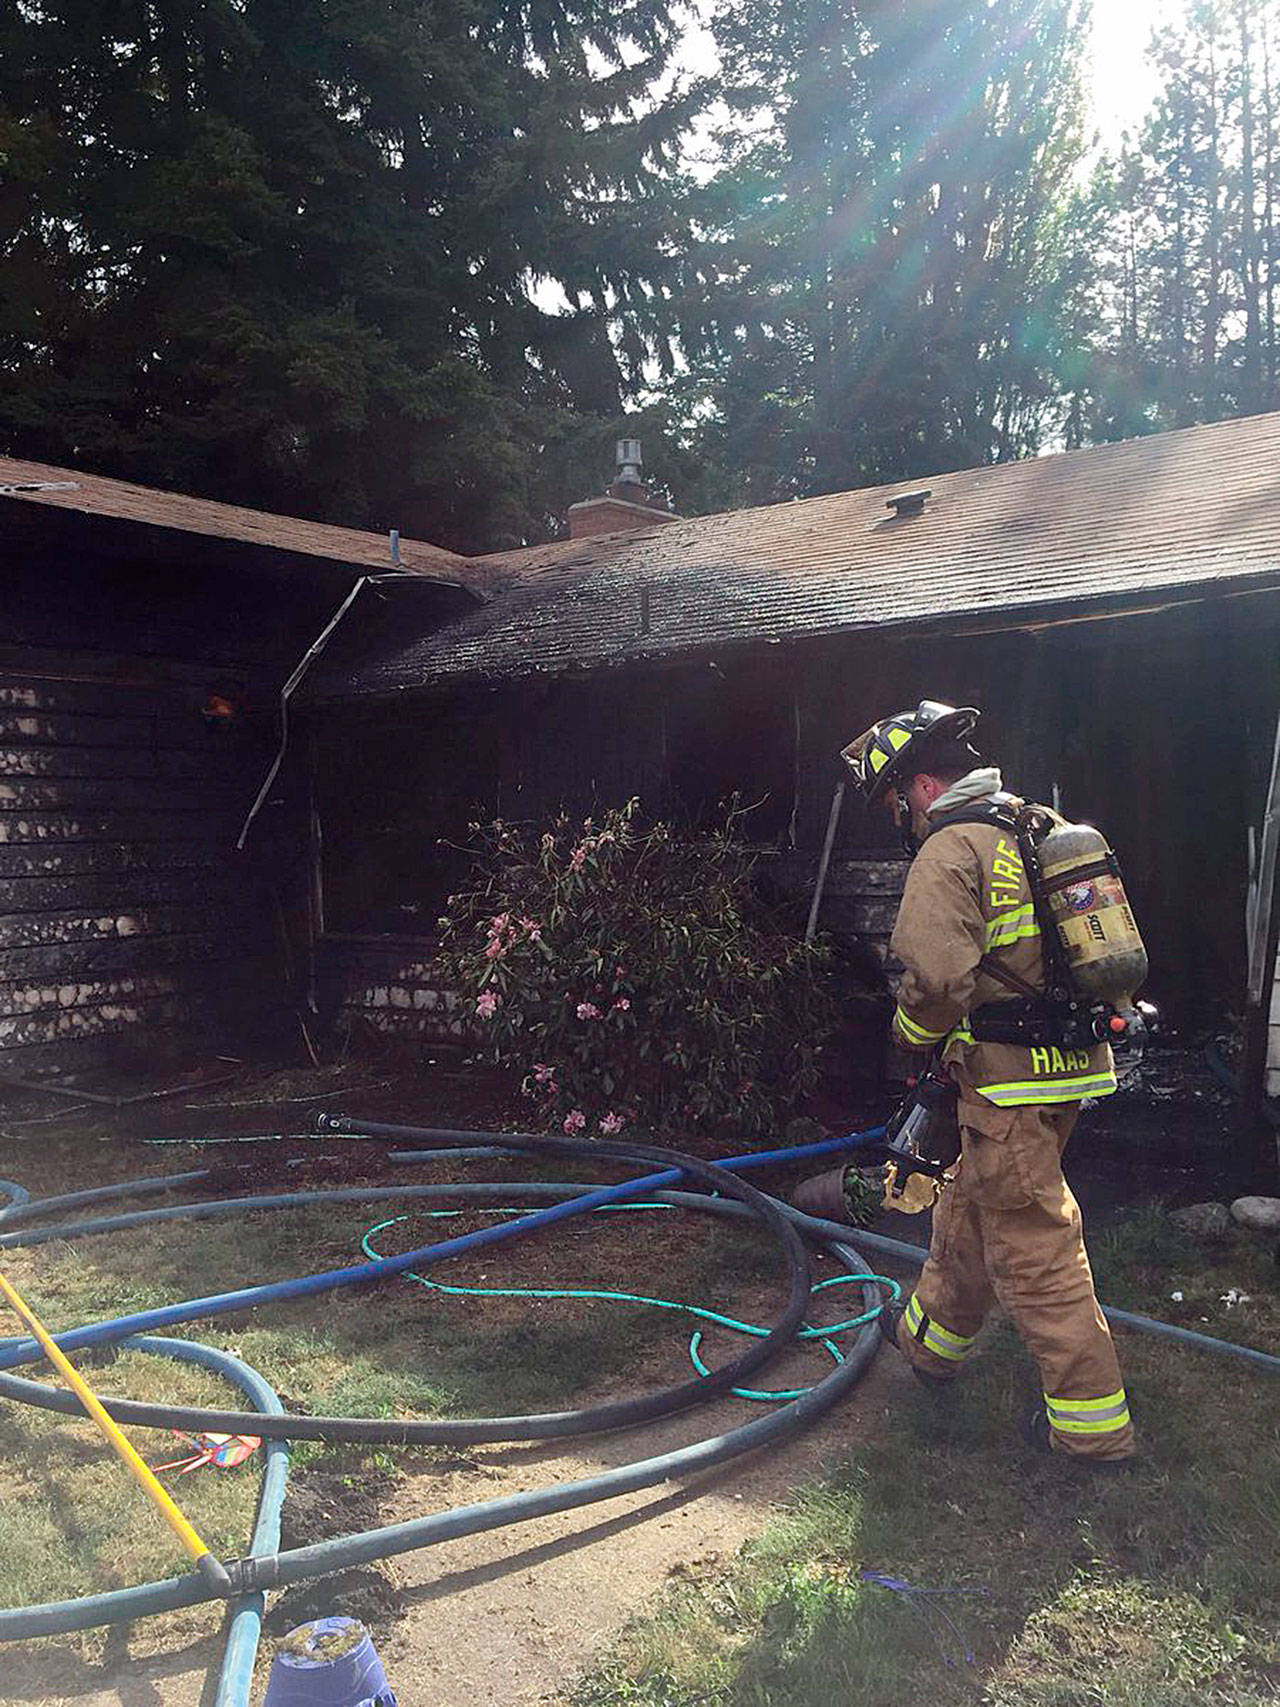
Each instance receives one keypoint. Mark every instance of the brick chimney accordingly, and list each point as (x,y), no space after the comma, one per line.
(626,504)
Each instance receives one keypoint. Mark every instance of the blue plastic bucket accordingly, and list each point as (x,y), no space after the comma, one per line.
(307,1677)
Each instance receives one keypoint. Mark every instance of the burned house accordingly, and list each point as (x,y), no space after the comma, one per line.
(145,643)
(1114,611)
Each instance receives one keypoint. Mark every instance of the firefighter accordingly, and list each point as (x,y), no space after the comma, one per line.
(1007,1228)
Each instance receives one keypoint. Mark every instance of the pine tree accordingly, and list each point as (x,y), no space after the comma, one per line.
(888,237)
(1186,271)
(287,254)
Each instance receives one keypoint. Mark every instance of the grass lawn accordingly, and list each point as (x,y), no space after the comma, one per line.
(1156,1588)
(71,1522)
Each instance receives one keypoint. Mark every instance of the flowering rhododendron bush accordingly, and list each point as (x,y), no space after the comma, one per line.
(631,976)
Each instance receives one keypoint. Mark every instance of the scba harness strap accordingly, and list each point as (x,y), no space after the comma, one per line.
(1053,1017)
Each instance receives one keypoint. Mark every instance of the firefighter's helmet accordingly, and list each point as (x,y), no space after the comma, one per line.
(893,748)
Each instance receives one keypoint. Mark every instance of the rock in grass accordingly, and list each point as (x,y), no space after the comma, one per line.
(803,1129)
(1203,1220)
(1258,1214)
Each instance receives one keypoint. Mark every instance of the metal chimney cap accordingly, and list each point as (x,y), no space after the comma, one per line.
(629,460)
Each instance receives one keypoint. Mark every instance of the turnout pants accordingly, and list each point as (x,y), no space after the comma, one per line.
(1008,1228)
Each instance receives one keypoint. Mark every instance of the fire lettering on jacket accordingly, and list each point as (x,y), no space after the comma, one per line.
(1054,1060)
(1006,875)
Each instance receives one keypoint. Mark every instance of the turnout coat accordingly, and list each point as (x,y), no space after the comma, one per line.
(968,895)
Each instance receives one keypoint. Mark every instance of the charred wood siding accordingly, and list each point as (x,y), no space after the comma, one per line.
(386,985)
(860,898)
(1157,727)
(129,926)
(126,920)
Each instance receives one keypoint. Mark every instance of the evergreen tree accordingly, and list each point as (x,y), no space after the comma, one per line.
(889,238)
(1184,305)
(288,254)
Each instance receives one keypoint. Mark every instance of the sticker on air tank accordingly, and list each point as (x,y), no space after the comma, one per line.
(1103,923)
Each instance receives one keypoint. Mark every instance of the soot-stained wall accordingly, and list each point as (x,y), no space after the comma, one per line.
(131,931)
(1158,727)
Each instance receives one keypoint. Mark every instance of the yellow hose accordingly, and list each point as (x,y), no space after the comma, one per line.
(141,1472)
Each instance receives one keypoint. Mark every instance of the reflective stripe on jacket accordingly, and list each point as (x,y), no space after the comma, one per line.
(967,895)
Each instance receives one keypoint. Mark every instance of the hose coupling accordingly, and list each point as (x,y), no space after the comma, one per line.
(238,1576)
(217,1577)
(334,1123)
(262,1572)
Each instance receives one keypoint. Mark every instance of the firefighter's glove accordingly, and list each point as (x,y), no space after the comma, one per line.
(918,1191)
(904,1066)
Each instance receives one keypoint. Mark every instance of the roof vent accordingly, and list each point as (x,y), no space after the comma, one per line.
(909,503)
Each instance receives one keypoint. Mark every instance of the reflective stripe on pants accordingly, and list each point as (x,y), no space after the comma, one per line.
(952,1348)
(1008,1228)
(1108,1415)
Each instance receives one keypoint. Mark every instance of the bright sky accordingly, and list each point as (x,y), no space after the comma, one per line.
(1123,84)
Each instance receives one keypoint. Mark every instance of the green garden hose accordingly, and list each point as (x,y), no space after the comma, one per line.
(824,1335)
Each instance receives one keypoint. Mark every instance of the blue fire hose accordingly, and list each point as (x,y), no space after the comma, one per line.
(266,1566)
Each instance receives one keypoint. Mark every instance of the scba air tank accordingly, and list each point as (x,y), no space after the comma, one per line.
(1087,903)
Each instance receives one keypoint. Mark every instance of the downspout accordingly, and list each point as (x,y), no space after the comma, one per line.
(300,669)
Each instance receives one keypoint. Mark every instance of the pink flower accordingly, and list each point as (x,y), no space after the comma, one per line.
(542,1074)
(574,1121)
(488,1004)
(493,948)
(622,1005)
(611,1123)
(588,1010)
(577,859)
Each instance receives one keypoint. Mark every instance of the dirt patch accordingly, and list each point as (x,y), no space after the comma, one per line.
(513,1617)
(367,1594)
(506,1618)
(322,1503)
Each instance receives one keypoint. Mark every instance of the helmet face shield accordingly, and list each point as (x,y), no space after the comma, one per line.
(854,755)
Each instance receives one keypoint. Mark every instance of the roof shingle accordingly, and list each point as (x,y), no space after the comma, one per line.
(92,494)
(1175,515)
